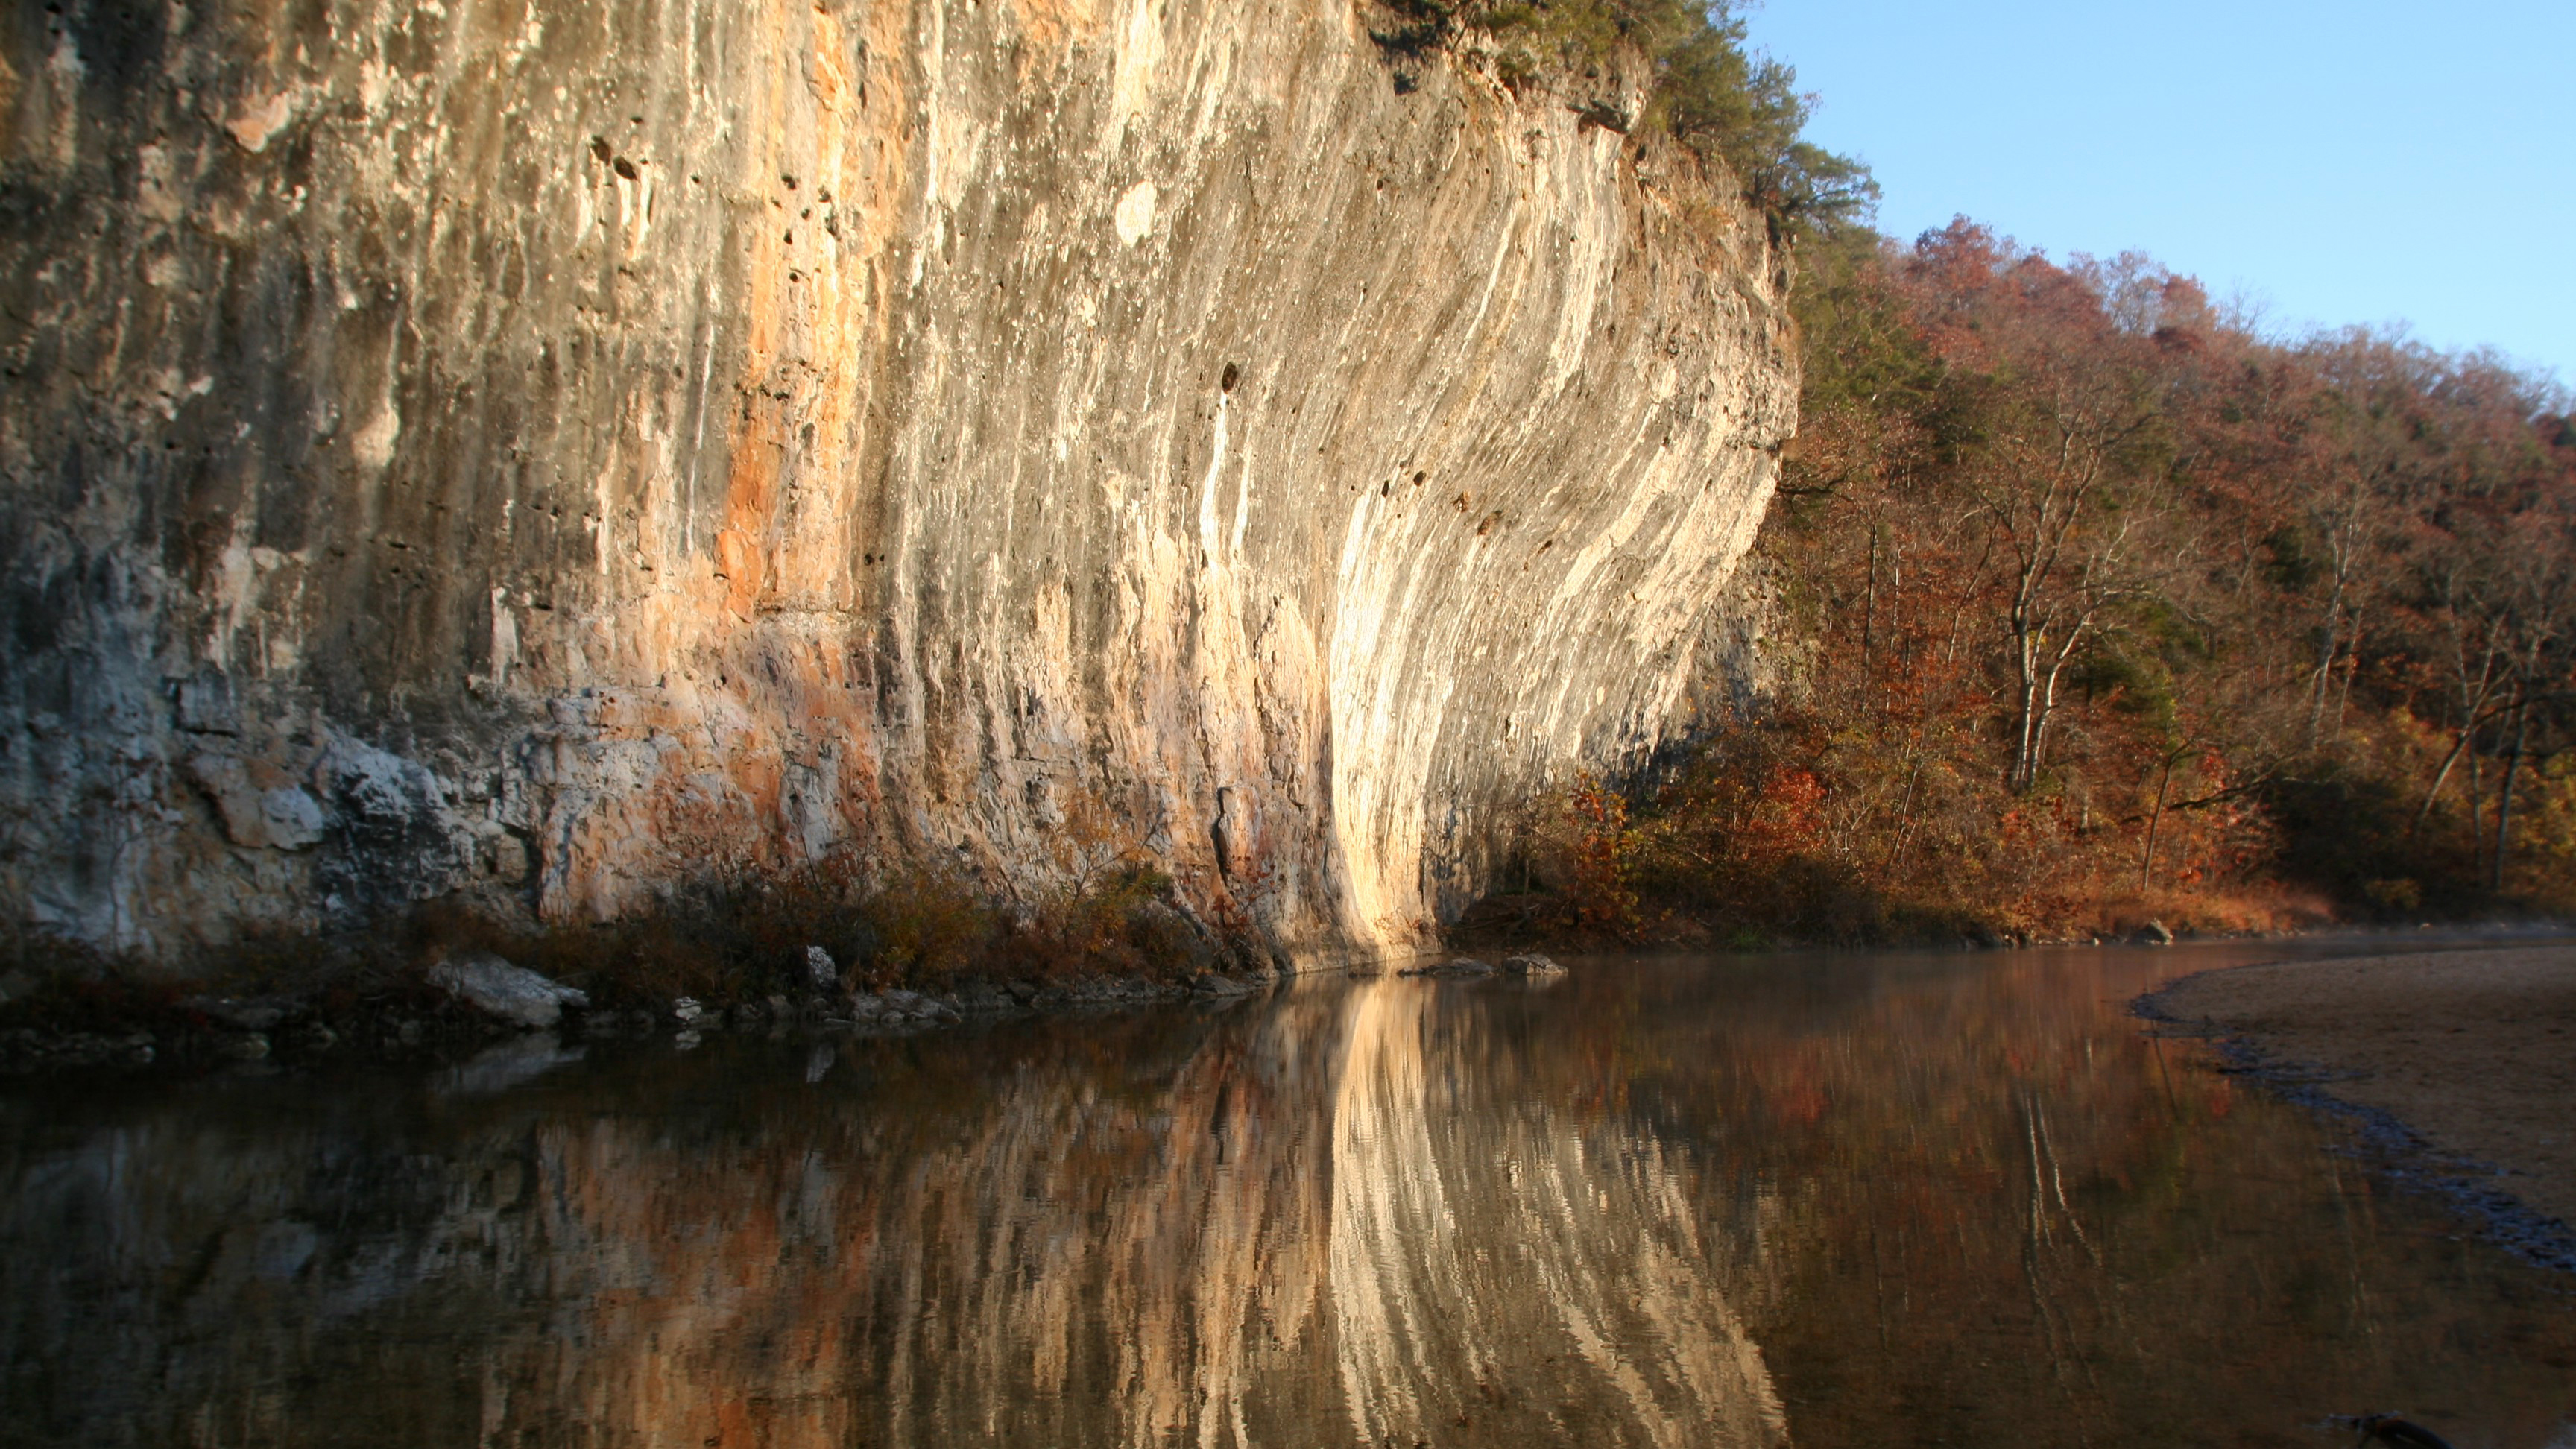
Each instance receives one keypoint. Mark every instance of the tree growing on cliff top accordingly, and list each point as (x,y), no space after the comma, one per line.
(1741,111)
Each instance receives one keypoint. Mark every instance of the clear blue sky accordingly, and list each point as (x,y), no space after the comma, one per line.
(2341,163)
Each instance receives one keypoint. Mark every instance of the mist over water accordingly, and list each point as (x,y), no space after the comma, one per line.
(1752,1201)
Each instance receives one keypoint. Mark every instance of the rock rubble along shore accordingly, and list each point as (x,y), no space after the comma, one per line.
(1529,964)
(463,1003)
(983,437)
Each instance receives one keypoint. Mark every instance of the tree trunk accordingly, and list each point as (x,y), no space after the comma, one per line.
(2155,819)
(2477,812)
(1905,805)
(2504,798)
(2026,723)
(1869,614)
(2351,669)
(2329,643)
(2441,777)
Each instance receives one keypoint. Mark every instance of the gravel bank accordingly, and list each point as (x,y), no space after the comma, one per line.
(2474,1051)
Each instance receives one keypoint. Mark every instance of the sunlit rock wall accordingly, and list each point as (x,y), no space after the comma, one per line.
(550,449)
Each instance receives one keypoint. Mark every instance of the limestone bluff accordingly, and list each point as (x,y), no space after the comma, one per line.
(546,449)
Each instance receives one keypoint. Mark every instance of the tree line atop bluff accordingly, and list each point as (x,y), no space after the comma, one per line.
(1726,105)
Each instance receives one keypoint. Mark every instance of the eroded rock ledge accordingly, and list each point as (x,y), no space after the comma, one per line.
(551,450)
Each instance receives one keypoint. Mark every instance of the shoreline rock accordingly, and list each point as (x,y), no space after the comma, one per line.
(474,1004)
(1456,968)
(509,993)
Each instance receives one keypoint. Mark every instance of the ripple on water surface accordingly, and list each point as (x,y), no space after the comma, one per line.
(1864,1200)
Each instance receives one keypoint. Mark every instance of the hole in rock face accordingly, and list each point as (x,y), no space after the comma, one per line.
(1233,375)
(599,148)
(1421,478)
(120,44)
(624,168)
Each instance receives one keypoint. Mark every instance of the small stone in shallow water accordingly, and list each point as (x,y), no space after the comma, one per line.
(249,1046)
(1531,963)
(256,1014)
(686,1011)
(1458,966)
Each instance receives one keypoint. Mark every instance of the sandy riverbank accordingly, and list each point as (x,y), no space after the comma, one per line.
(2475,1051)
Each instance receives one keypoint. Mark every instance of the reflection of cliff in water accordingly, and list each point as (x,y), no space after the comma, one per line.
(1491,1256)
(1956,1200)
(1255,1228)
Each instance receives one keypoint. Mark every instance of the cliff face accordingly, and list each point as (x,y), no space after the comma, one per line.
(555,449)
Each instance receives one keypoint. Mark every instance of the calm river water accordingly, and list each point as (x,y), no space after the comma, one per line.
(1876,1199)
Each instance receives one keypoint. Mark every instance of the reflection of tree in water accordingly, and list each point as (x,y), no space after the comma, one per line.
(2004,1216)
(1249,1231)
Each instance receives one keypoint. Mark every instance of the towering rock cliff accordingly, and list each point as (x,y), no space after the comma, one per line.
(552,449)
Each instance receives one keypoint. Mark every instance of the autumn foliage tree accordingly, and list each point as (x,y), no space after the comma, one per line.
(2101,606)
